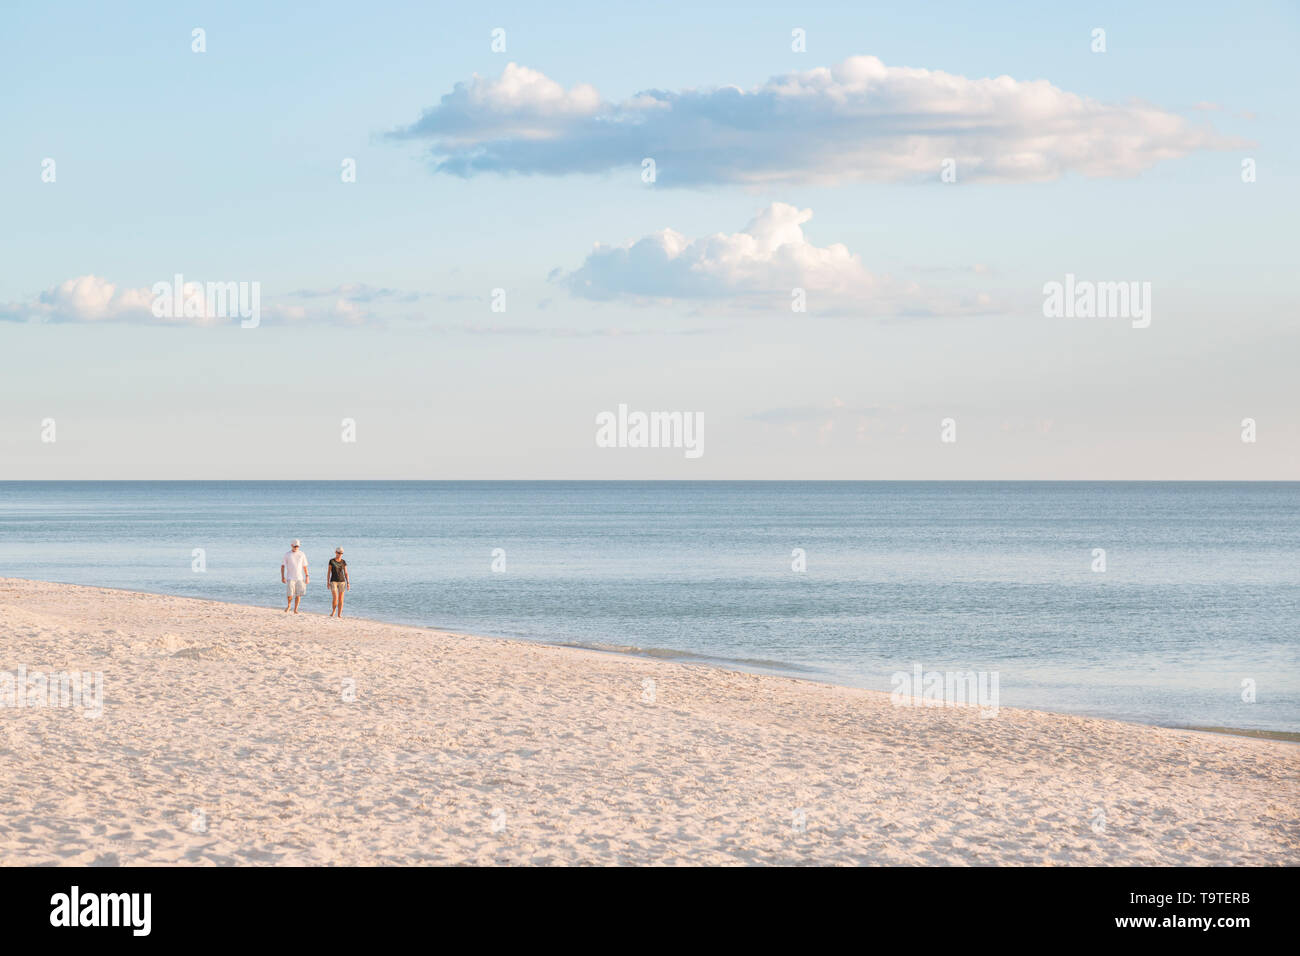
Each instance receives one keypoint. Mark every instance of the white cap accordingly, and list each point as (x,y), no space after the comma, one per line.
(295,543)
(338,550)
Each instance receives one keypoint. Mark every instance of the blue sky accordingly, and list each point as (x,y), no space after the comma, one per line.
(225,166)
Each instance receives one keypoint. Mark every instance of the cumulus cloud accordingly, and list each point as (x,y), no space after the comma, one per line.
(769,255)
(520,104)
(83,299)
(92,299)
(759,267)
(859,120)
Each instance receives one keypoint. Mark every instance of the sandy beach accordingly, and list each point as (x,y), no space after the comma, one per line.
(241,735)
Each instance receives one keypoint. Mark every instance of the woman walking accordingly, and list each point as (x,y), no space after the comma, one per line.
(338,582)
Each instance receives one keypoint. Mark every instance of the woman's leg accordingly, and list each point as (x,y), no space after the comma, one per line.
(342,588)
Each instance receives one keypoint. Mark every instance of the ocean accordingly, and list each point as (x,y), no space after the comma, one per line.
(1192,622)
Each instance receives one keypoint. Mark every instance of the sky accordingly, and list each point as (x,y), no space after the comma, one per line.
(475,228)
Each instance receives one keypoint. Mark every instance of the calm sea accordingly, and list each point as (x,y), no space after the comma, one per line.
(1196,606)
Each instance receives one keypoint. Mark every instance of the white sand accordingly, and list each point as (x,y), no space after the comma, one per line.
(226,738)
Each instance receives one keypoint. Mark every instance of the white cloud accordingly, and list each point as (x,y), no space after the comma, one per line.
(759,267)
(90,299)
(857,120)
(769,255)
(83,299)
(521,103)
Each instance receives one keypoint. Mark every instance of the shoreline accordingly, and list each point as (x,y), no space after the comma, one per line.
(1281,735)
(239,735)
(775,669)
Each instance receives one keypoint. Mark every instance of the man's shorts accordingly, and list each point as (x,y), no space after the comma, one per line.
(337,586)
(297,588)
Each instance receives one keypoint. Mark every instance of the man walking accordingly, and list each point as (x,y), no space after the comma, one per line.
(295,575)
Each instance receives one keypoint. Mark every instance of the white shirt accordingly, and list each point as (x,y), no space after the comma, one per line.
(295,565)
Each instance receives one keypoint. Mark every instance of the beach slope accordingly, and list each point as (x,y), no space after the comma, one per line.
(241,735)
